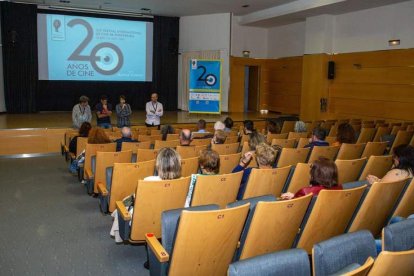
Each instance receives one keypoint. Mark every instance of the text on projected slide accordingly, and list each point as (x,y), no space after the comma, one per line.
(87,48)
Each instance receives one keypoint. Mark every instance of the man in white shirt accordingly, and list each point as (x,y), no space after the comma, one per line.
(154,111)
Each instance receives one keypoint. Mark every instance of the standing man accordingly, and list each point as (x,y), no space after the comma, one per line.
(154,111)
(103,113)
(81,112)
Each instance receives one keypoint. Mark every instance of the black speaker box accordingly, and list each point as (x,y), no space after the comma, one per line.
(331,70)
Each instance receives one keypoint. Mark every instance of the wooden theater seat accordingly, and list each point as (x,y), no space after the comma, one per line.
(405,207)
(292,156)
(225,148)
(189,166)
(266,182)
(329,152)
(374,148)
(377,165)
(349,170)
(151,199)
(284,143)
(216,189)
(228,162)
(166,144)
(350,151)
(300,178)
(393,263)
(146,154)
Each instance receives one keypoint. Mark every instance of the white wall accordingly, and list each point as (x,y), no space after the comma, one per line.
(370,30)
(286,40)
(202,33)
(2,100)
(252,39)
(319,34)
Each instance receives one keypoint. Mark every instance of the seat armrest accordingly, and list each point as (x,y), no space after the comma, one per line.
(88,174)
(102,189)
(122,210)
(157,248)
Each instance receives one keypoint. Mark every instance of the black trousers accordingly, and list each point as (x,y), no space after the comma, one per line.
(157,126)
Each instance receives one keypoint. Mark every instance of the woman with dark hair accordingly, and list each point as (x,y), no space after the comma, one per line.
(209,162)
(345,134)
(83,132)
(248,127)
(402,168)
(228,122)
(273,127)
(324,176)
(123,112)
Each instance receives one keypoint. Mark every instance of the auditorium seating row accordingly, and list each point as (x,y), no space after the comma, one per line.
(239,231)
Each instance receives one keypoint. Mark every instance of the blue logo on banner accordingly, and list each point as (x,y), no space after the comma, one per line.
(205,75)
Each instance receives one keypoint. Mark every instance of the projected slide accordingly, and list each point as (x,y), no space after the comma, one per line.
(90,49)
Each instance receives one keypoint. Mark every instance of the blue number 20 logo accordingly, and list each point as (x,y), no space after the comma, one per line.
(106,58)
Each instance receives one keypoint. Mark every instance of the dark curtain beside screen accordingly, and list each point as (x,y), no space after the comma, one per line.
(19,38)
(25,93)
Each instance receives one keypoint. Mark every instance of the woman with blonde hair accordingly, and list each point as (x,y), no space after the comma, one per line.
(167,166)
(265,157)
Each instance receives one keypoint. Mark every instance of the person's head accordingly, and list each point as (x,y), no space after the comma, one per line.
(300,126)
(84,129)
(126,132)
(209,161)
(403,156)
(154,97)
(122,99)
(185,137)
(219,137)
(265,155)
(228,122)
(98,136)
(248,126)
(168,164)
(165,130)
(345,134)
(83,100)
(219,125)
(201,124)
(318,134)
(324,172)
(273,127)
(104,99)
(256,138)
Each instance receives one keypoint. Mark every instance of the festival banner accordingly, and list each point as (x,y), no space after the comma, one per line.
(205,86)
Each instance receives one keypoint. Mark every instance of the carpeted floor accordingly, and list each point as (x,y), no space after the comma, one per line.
(50,226)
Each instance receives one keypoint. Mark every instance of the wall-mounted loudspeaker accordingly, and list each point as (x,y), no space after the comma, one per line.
(331,70)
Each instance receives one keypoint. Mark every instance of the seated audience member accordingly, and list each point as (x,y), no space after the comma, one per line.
(324,175)
(403,166)
(228,122)
(219,137)
(219,125)
(126,137)
(201,126)
(300,126)
(248,127)
(209,162)
(167,166)
(273,127)
(98,136)
(318,138)
(185,137)
(83,132)
(265,157)
(345,134)
(165,130)
(255,138)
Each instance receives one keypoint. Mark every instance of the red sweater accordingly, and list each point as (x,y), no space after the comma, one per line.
(315,189)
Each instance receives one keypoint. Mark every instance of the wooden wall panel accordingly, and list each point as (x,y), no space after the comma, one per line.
(314,85)
(377,84)
(279,87)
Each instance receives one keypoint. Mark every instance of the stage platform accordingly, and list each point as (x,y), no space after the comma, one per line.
(25,135)
(64,119)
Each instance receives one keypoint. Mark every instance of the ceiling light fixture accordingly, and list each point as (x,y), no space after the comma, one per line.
(245,6)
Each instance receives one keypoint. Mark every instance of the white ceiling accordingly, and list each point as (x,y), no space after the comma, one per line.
(261,13)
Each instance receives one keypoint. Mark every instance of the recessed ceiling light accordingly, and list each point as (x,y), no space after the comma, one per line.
(145,9)
(245,6)
(64,1)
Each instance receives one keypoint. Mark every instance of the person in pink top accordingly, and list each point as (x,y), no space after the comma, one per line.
(324,175)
